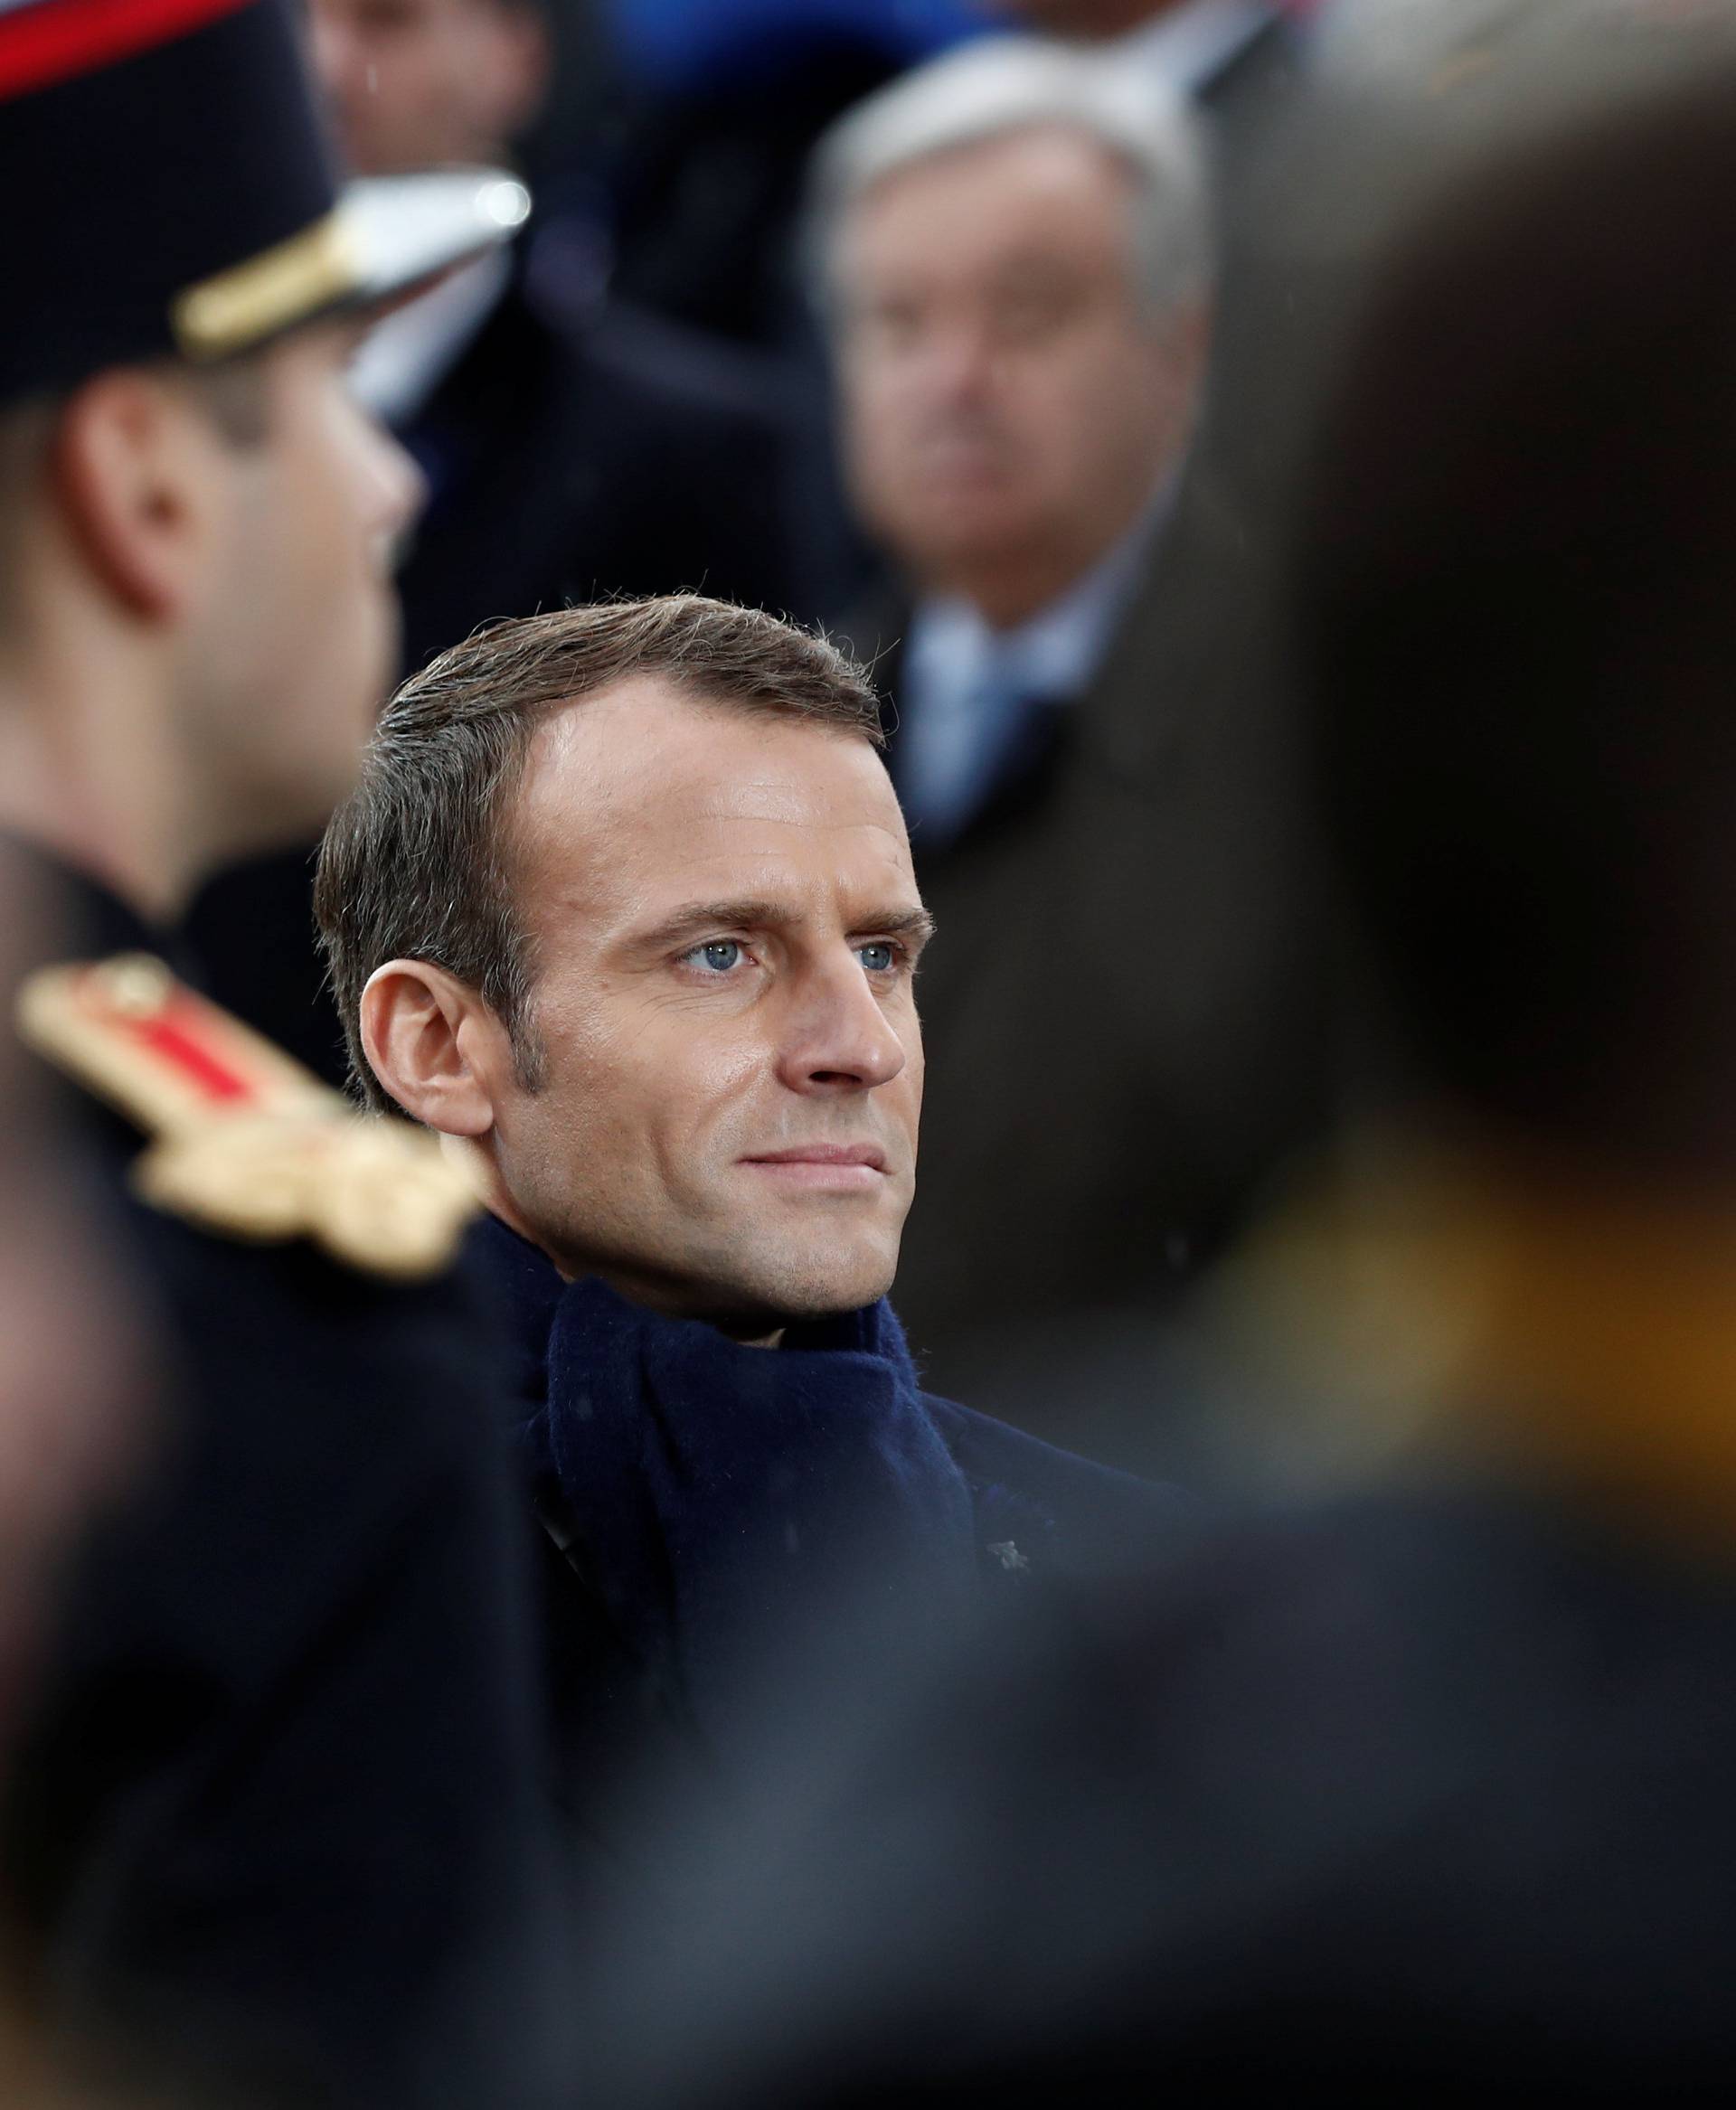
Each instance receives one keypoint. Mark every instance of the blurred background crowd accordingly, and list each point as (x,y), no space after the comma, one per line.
(1025,347)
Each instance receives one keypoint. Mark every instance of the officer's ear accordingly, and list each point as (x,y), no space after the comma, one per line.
(435,1046)
(137,473)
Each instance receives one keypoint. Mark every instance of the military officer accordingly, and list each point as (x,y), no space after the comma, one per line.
(271,1830)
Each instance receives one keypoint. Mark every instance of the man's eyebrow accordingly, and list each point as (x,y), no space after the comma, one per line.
(694,919)
(912,923)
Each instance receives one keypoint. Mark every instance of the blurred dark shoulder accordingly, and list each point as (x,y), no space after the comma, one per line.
(1416,1795)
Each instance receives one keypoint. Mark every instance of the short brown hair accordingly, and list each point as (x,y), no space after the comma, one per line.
(417,863)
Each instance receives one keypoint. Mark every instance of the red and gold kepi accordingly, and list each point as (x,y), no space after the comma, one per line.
(174,191)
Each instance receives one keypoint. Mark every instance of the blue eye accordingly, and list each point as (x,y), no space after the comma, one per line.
(719,956)
(879,958)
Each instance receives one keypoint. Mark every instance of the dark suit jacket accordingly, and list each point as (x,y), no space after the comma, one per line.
(1125,1011)
(277,1822)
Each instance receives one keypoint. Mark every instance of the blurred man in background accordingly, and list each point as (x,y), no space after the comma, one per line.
(273,1824)
(1016,259)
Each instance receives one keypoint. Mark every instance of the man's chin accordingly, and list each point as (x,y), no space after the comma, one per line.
(779,1298)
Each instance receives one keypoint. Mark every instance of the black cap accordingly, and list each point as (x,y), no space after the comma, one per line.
(173,190)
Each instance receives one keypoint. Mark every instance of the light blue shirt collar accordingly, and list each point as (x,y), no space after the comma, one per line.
(967,689)
(1054,653)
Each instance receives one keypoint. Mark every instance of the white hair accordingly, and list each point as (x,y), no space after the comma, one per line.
(994,87)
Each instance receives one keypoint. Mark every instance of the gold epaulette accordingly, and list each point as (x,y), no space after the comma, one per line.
(244,1141)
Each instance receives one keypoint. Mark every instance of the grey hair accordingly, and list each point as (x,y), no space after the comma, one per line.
(997,86)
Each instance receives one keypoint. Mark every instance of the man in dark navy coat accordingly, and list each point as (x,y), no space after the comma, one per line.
(1019,263)
(272,1827)
(624,908)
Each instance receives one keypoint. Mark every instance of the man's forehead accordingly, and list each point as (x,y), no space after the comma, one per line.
(978,206)
(641,781)
(1051,157)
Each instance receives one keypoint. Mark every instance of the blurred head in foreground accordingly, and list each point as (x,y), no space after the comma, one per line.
(1517,635)
(1012,250)
(625,898)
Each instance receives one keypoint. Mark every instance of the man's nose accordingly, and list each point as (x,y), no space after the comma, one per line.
(957,361)
(838,1037)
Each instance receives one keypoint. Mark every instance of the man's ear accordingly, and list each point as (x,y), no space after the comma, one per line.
(434,1045)
(135,473)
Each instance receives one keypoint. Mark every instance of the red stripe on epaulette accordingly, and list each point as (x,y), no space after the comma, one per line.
(56,40)
(175,1044)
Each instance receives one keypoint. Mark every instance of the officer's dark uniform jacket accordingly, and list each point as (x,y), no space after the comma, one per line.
(707,1506)
(275,1820)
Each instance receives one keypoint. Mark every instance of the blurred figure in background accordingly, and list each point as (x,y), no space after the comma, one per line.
(1016,263)
(1422,1795)
(273,1821)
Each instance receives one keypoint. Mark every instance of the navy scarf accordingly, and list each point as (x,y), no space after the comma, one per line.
(724,1503)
